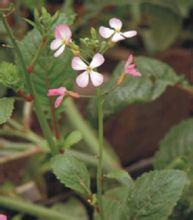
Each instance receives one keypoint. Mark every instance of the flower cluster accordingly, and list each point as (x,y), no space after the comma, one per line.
(62,39)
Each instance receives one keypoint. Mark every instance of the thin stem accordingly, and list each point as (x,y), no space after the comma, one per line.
(41,117)
(100,153)
(32,209)
(78,122)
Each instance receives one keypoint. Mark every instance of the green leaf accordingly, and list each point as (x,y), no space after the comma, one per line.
(122,176)
(73,208)
(6,109)
(31,4)
(115,204)
(156,77)
(73,138)
(49,72)
(72,173)
(162,32)
(9,76)
(176,145)
(156,194)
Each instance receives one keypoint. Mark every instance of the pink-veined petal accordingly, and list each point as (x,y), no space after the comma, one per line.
(134,73)
(62,31)
(59,91)
(59,101)
(78,64)
(55,44)
(106,32)
(115,23)
(97,60)
(83,79)
(59,51)
(129,34)
(129,60)
(3,217)
(96,78)
(117,37)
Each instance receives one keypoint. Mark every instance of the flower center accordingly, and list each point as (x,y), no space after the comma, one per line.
(117,30)
(89,69)
(64,41)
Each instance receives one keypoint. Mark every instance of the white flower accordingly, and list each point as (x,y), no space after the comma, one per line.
(62,38)
(83,79)
(115,31)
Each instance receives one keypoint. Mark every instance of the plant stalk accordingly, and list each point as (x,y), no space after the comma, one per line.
(100,153)
(78,122)
(32,209)
(41,117)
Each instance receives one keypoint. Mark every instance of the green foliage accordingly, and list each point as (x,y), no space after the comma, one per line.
(73,138)
(121,176)
(9,76)
(161,32)
(43,22)
(93,44)
(176,147)
(156,76)
(6,109)
(48,72)
(72,208)
(155,194)
(115,204)
(72,173)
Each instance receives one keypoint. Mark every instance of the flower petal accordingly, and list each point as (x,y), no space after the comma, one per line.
(83,79)
(134,73)
(62,31)
(129,34)
(106,32)
(115,23)
(59,101)
(96,78)
(3,217)
(55,44)
(59,51)
(78,64)
(129,61)
(59,91)
(97,60)
(117,37)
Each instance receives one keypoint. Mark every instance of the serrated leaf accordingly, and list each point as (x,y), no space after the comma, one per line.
(178,143)
(9,76)
(72,173)
(115,204)
(6,109)
(73,138)
(156,194)
(156,76)
(122,176)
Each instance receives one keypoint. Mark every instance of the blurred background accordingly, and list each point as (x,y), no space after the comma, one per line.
(165,32)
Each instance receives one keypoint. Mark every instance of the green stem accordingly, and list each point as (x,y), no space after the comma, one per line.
(77,121)
(100,152)
(32,209)
(41,117)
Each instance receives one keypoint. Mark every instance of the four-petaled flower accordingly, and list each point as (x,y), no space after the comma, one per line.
(62,38)
(83,79)
(130,67)
(115,31)
(3,217)
(60,92)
